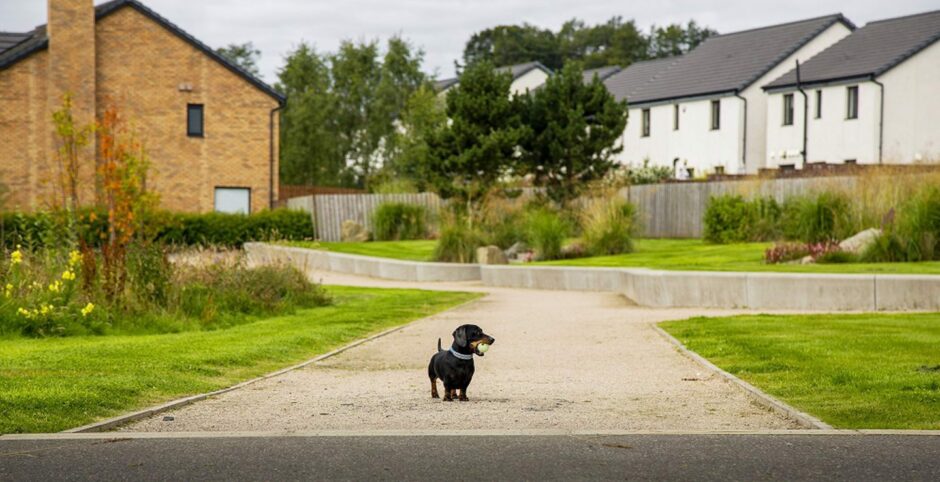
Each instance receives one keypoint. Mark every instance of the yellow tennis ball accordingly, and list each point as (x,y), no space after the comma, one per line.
(482,347)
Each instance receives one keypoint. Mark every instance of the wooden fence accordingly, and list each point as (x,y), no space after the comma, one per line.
(330,210)
(669,210)
(675,210)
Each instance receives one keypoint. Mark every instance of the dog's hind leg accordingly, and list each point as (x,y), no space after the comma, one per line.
(434,389)
(463,395)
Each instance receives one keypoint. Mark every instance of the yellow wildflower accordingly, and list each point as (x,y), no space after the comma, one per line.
(16,257)
(74,258)
(8,290)
(46,309)
(25,313)
(88,309)
(55,286)
(68,275)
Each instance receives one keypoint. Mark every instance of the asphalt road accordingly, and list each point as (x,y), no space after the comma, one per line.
(625,457)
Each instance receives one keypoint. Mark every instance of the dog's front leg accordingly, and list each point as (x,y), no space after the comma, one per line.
(449,394)
(434,389)
(463,395)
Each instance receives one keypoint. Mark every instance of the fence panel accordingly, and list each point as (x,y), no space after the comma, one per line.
(675,210)
(330,210)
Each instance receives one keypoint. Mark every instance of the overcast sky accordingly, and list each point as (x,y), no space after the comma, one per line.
(441,27)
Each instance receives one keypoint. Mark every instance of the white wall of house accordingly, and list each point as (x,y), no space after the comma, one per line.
(911,120)
(912,109)
(832,137)
(694,144)
(529,80)
(757,119)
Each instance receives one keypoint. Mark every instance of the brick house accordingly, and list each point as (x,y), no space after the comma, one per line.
(210,128)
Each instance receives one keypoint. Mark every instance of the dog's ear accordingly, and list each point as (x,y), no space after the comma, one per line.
(460,336)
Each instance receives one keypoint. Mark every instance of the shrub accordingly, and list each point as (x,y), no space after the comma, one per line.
(222,229)
(51,293)
(731,219)
(785,253)
(36,230)
(608,225)
(219,295)
(822,217)
(546,231)
(915,233)
(395,221)
(726,219)
(458,243)
(823,252)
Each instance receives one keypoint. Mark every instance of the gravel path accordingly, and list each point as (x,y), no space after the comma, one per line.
(562,360)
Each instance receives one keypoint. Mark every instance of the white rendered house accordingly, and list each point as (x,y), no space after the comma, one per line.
(527,76)
(706,110)
(873,97)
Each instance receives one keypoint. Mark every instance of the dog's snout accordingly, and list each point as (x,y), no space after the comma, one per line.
(490,340)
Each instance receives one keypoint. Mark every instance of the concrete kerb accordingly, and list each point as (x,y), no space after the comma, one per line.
(765,400)
(114,422)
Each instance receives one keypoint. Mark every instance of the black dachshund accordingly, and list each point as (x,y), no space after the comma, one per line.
(455,366)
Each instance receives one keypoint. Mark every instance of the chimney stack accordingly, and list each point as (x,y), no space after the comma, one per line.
(71,33)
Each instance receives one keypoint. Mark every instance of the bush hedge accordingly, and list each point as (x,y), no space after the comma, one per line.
(397,221)
(732,219)
(218,229)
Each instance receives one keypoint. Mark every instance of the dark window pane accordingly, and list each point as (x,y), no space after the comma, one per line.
(716,115)
(819,104)
(646,123)
(788,110)
(852,102)
(194,121)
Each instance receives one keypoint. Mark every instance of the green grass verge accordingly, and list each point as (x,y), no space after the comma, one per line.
(697,255)
(849,370)
(52,384)
(420,250)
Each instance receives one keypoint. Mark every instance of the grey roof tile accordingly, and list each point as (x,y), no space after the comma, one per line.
(869,51)
(9,39)
(627,81)
(602,72)
(733,61)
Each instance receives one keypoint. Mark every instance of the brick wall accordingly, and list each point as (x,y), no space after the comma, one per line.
(139,67)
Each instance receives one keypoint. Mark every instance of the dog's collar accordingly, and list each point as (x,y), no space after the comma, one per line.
(461,355)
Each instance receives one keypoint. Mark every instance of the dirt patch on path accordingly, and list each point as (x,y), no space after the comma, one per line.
(562,360)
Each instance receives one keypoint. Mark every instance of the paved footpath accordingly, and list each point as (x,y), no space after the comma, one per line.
(803,455)
(562,360)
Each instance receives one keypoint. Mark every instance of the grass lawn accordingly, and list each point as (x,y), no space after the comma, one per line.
(696,255)
(420,250)
(52,384)
(850,370)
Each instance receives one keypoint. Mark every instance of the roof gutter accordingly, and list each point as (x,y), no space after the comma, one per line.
(881,119)
(271,174)
(744,143)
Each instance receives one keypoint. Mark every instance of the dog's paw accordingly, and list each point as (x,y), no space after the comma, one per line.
(434,395)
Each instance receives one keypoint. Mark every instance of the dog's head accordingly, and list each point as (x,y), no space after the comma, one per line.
(467,337)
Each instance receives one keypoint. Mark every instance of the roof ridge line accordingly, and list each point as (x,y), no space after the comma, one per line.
(837,15)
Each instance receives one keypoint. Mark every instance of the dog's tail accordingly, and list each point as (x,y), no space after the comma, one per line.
(439,345)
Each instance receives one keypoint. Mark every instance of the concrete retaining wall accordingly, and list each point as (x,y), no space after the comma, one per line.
(662,289)
(318,260)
